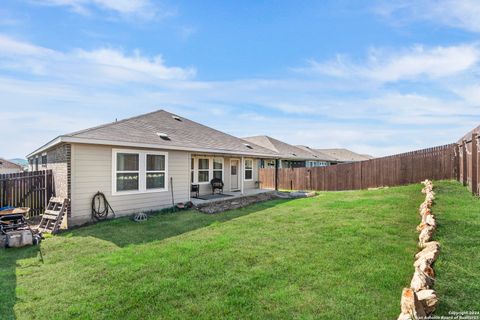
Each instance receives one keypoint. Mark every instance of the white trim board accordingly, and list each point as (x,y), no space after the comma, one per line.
(144,145)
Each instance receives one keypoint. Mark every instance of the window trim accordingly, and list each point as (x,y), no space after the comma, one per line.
(164,171)
(245,169)
(210,168)
(222,161)
(142,171)
(44,157)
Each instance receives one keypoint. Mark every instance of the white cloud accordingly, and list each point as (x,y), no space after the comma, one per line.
(13,47)
(101,65)
(461,14)
(89,87)
(415,63)
(138,8)
(136,67)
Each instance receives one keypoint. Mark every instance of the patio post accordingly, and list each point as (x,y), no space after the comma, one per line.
(242,172)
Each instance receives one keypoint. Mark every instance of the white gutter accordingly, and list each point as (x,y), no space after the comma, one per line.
(67,139)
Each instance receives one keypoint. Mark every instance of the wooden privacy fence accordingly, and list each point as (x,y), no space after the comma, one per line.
(26,189)
(411,167)
(468,149)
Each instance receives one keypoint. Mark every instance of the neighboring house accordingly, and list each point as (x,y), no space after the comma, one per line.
(344,155)
(326,159)
(9,167)
(290,156)
(134,162)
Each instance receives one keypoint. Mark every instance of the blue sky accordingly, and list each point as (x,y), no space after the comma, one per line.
(378,77)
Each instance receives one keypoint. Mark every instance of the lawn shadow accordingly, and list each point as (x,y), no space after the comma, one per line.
(159,226)
(8,279)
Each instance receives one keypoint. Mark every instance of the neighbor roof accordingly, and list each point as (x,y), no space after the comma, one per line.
(345,155)
(9,165)
(468,136)
(318,154)
(162,129)
(285,150)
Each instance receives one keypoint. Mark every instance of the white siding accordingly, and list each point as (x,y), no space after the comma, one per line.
(92,172)
(9,170)
(251,184)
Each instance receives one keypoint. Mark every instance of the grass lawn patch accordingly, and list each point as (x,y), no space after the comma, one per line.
(340,255)
(458,266)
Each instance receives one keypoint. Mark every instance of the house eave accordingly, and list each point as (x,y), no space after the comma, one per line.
(67,139)
(46,146)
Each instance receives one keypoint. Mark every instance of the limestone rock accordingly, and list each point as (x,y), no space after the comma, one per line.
(419,281)
(410,305)
(426,235)
(428,299)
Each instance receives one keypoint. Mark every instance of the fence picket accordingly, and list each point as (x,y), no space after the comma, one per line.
(27,189)
(412,167)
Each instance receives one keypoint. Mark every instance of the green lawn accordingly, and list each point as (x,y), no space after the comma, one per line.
(341,255)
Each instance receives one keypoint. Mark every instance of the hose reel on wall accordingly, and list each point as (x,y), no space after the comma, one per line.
(101,208)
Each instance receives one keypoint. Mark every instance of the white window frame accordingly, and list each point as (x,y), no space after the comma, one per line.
(142,171)
(245,169)
(192,170)
(222,161)
(210,168)
(44,165)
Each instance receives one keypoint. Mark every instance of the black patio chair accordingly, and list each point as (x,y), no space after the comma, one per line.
(217,185)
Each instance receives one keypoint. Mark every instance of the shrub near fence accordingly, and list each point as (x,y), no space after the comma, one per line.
(411,167)
(26,189)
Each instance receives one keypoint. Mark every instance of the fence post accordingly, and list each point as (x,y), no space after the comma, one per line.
(456,162)
(276,174)
(46,188)
(464,164)
(361,175)
(474,164)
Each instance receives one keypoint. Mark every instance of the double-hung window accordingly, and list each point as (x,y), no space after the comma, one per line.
(248,169)
(155,171)
(203,170)
(139,171)
(128,171)
(218,168)
(44,160)
(192,170)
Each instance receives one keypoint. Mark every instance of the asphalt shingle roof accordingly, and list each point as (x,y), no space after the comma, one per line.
(8,164)
(181,132)
(318,154)
(286,151)
(344,155)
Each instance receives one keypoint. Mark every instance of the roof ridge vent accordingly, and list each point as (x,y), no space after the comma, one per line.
(163,136)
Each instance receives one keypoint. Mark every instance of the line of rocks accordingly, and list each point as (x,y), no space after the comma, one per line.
(420,300)
(225,204)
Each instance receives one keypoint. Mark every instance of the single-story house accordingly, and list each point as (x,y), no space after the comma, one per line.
(138,163)
(342,155)
(290,156)
(326,159)
(9,167)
